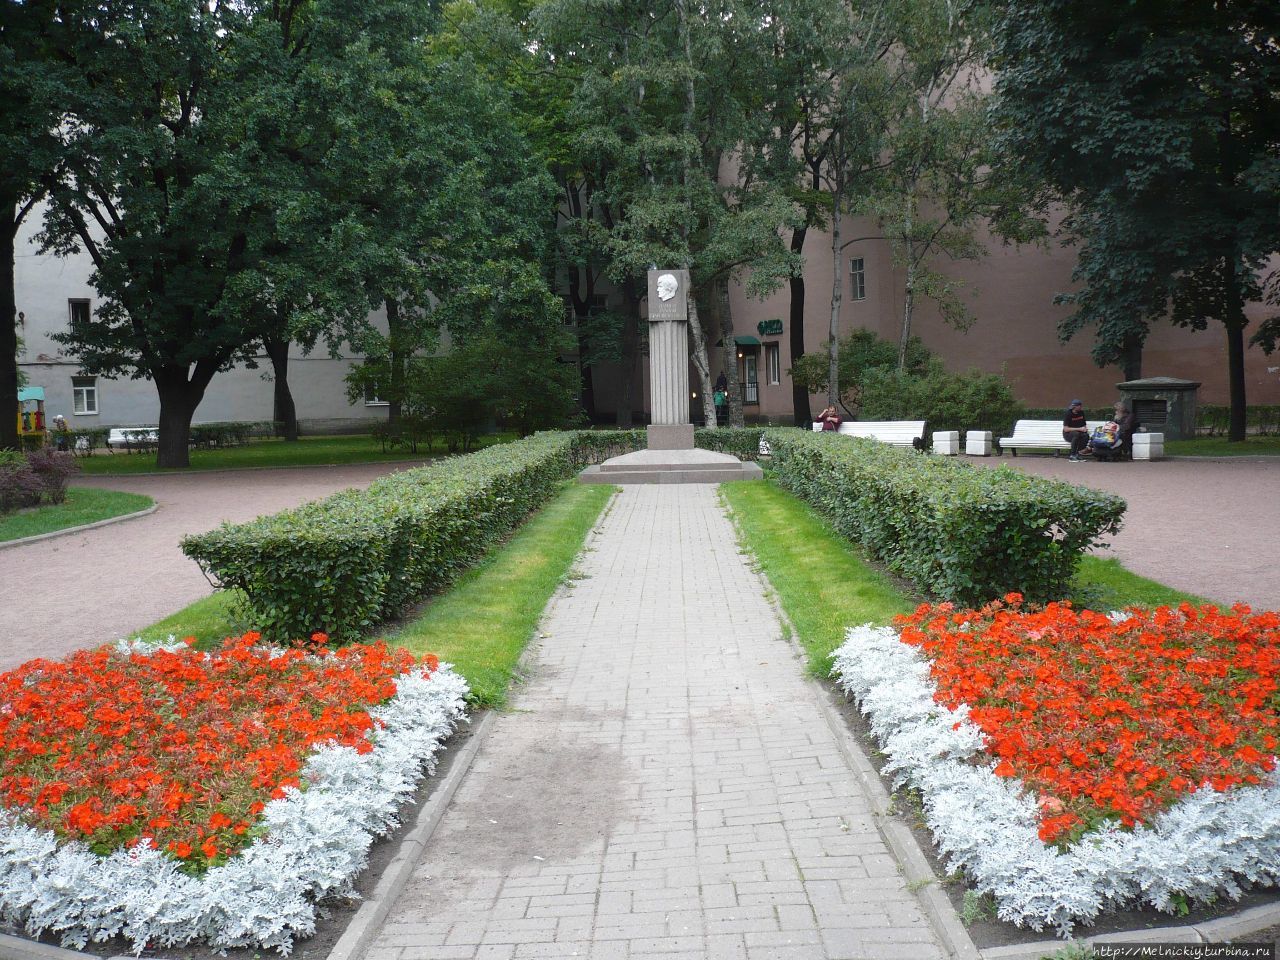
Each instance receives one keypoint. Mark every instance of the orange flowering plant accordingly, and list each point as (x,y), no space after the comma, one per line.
(1110,718)
(163,795)
(1068,761)
(178,750)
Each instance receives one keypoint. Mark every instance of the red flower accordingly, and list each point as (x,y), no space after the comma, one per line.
(1110,721)
(177,747)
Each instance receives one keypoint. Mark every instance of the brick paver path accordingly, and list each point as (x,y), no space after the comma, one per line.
(665,784)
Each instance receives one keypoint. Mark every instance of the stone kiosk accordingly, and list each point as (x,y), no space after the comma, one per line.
(671,456)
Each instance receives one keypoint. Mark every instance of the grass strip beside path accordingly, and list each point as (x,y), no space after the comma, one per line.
(483,622)
(825,586)
(270,452)
(83,505)
(822,582)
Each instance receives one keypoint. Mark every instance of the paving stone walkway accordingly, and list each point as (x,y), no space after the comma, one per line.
(665,784)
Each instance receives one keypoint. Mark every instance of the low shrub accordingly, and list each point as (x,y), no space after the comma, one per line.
(52,470)
(741,442)
(945,401)
(343,564)
(19,485)
(959,532)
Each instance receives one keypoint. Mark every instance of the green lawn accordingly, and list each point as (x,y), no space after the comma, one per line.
(270,452)
(825,586)
(83,505)
(1221,447)
(483,622)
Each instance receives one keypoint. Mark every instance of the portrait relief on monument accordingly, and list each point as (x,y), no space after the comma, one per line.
(668,293)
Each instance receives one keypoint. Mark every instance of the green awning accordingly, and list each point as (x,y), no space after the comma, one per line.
(746,341)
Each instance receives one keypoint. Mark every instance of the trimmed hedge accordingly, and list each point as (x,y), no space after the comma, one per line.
(345,563)
(960,532)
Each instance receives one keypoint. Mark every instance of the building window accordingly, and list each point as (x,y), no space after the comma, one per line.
(859,278)
(371,398)
(78,311)
(84,395)
(773,363)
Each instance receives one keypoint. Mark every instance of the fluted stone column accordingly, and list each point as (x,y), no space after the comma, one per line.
(668,346)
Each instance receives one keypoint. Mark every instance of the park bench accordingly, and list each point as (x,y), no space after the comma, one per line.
(1039,435)
(133,438)
(900,433)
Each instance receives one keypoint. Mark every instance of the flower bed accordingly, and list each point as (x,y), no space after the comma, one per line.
(169,796)
(1069,761)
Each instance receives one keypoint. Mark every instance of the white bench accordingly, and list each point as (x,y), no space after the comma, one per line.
(900,433)
(1040,435)
(133,438)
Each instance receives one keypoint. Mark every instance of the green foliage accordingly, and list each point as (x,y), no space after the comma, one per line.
(344,563)
(1213,420)
(945,401)
(740,442)
(957,532)
(1157,125)
(860,353)
(485,381)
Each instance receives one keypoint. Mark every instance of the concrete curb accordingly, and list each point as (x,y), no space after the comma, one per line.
(364,927)
(80,529)
(915,866)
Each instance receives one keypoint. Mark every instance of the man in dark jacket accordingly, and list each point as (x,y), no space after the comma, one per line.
(1075,430)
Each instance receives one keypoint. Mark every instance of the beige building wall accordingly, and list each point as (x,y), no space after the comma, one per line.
(1010,293)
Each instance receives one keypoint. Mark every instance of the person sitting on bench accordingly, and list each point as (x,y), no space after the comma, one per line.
(1075,430)
(1115,438)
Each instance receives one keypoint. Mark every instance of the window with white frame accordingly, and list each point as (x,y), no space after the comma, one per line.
(78,312)
(773,363)
(84,396)
(858,274)
(371,398)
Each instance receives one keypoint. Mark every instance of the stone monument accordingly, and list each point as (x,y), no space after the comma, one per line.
(671,456)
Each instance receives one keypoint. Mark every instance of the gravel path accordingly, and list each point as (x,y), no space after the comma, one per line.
(94,587)
(1207,526)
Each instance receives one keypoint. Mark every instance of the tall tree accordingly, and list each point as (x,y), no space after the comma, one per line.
(1158,124)
(33,83)
(664,97)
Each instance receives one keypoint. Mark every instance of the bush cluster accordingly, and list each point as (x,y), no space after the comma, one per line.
(956,531)
(945,401)
(342,564)
(27,479)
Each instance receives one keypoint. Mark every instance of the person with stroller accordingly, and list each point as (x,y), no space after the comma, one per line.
(1113,438)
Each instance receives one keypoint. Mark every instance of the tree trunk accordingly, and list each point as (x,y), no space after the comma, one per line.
(799,395)
(1235,322)
(8,330)
(395,358)
(1131,357)
(630,347)
(908,303)
(729,356)
(179,398)
(698,352)
(284,412)
(837,296)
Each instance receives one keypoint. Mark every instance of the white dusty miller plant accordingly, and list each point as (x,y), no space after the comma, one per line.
(1200,848)
(316,844)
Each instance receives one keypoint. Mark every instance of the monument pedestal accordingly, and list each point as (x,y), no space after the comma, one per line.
(668,465)
(671,456)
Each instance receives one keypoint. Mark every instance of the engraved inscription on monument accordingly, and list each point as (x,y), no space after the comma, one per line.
(667,295)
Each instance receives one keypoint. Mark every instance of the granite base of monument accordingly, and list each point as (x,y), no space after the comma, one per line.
(671,465)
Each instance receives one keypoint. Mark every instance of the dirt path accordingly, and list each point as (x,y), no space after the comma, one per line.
(94,587)
(1207,526)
